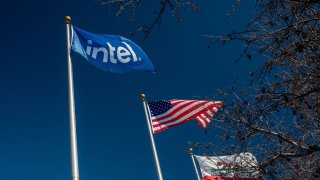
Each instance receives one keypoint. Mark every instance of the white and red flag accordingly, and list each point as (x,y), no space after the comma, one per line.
(169,113)
(241,166)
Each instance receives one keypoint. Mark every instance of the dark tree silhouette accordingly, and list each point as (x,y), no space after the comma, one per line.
(165,6)
(277,117)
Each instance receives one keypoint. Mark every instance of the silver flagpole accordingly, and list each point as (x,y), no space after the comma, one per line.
(73,134)
(194,163)
(155,154)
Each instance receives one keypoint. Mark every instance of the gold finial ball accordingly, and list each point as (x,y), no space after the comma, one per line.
(68,19)
(142,96)
(190,150)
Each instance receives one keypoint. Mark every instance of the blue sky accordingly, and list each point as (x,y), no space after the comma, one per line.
(113,139)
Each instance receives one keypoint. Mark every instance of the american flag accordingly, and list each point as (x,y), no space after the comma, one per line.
(169,113)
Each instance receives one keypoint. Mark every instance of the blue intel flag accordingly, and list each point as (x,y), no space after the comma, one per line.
(109,52)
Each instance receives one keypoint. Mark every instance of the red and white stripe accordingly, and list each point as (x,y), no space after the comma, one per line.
(183,111)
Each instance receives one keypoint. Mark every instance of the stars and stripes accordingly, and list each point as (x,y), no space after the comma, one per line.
(169,113)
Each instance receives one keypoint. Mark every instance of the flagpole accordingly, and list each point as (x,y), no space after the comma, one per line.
(154,149)
(73,134)
(194,163)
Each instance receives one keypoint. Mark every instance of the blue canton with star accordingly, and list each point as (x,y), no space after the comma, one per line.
(159,107)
